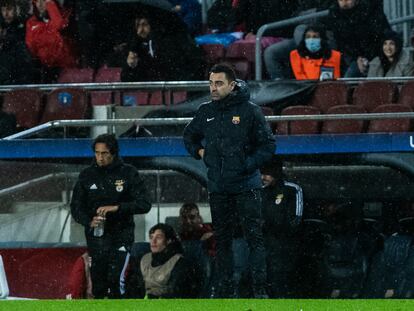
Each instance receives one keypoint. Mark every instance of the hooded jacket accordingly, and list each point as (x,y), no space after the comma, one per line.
(45,40)
(115,184)
(357,31)
(236,138)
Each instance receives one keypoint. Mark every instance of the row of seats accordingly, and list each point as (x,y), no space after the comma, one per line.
(338,98)
(32,107)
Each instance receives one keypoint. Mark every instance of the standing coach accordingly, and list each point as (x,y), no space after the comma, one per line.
(105,199)
(232,137)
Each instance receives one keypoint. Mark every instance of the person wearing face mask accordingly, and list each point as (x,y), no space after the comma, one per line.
(392,61)
(314,59)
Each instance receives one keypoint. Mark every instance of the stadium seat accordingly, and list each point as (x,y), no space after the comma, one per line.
(329,94)
(66,104)
(343,126)
(373,94)
(214,53)
(106,75)
(406,96)
(242,67)
(242,49)
(26,105)
(390,125)
(76,75)
(298,127)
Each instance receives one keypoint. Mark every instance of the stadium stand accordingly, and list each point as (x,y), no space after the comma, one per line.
(372,94)
(298,127)
(329,94)
(390,125)
(106,75)
(343,126)
(76,75)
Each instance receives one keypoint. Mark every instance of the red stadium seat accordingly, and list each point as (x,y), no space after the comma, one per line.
(76,75)
(242,68)
(390,125)
(298,127)
(343,126)
(373,94)
(407,94)
(242,49)
(106,75)
(329,94)
(66,104)
(26,105)
(214,53)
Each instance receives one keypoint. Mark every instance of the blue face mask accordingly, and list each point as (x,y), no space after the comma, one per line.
(313,44)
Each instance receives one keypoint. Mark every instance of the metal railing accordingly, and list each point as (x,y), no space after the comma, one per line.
(176,121)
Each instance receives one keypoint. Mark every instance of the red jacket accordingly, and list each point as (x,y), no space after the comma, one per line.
(45,40)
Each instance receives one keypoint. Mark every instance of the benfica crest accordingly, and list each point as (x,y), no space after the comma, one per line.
(119,185)
(236,120)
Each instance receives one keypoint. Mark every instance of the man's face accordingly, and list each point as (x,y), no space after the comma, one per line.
(346,4)
(143,28)
(102,155)
(8,13)
(158,241)
(267,180)
(220,87)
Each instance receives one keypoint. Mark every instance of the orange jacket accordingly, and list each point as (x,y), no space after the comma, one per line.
(45,40)
(306,68)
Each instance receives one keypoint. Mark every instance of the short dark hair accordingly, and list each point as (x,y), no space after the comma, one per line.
(168,231)
(8,4)
(226,68)
(109,140)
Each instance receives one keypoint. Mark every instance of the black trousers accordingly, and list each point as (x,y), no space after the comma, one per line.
(227,211)
(109,262)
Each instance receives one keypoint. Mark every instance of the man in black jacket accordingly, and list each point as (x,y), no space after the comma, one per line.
(106,196)
(232,137)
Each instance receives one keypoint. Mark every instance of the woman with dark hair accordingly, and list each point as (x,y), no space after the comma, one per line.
(314,59)
(164,272)
(393,61)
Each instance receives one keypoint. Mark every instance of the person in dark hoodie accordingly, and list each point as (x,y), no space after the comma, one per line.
(232,137)
(392,61)
(105,198)
(314,59)
(358,27)
(164,272)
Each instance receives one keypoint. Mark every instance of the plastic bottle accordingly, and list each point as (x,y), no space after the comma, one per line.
(98,231)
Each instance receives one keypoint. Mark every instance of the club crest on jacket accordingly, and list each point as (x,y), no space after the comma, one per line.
(119,185)
(236,120)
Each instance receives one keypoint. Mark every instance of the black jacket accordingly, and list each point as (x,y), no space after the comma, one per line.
(116,184)
(237,141)
(358,31)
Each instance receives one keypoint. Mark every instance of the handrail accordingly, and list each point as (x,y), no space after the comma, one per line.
(279,24)
(176,121)
(401,20)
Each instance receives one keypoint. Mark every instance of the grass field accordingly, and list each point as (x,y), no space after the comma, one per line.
(207,305)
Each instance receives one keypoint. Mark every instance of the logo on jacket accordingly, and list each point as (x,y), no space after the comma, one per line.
(235,120)
(119,185)
(279,198)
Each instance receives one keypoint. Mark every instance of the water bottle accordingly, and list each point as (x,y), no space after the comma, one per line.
(98,231)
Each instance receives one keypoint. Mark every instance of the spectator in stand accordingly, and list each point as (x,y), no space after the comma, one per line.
(47,40)
(190,13)
(314,59)
(15,62)
(164,272)
(156,55)
(276,56)
(191,227)
(393,60)
(358,27)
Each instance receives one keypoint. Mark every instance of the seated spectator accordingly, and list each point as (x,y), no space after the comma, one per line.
(46,37)
(314,59)
(15,62)
(190,13)
(191,227)
(358,27)
(158,56)
(276,56)
(392,61)
(164,272)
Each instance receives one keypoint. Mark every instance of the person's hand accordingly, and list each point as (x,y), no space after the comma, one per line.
(201,153)
(132,59)
(362,63)
(177,8)
(103,210)
(120,47)
(206,236)
(96,221)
